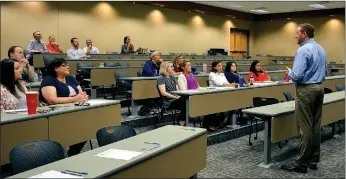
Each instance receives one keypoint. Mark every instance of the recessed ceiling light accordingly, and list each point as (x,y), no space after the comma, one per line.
(234,6)
(259,11)
(318,6)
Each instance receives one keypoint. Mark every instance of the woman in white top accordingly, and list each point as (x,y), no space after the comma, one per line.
(12,91)
(216,77)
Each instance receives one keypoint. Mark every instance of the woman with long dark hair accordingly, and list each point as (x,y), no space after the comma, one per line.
(257,73)
(12,91)
(231,73)
(127,47)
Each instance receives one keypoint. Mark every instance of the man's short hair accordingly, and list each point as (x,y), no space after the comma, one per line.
(72,40)
(88,40)
(33,34)
(308,29)
(11,50)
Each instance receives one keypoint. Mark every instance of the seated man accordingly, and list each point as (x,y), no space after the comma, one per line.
(152,66)
(89,49)
(52,47)
(35,45)
(28,75)
(74,52)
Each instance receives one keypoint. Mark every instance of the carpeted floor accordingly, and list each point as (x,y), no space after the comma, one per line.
(236,159)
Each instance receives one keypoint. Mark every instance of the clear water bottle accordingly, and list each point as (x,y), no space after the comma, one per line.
(39,74)
(251,80)
(205,68)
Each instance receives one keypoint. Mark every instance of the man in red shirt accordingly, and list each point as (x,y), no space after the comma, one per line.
(52,46)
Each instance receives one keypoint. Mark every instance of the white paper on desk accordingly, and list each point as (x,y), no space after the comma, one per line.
(54,174)
(119,154)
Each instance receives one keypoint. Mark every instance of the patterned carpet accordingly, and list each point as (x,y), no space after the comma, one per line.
(235,159)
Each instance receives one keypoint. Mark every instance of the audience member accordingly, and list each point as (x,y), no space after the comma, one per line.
(52,46)
(127,47)
(35,45)
(177,64)
(28,73)
(152,66)
(231,73)
(186,81)
(166,84)
(12,91)
(90,49)
(74,52)
(257,73)
(58,87)
(216,77)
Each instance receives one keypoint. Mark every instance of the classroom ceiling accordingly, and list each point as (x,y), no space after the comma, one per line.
(272,6)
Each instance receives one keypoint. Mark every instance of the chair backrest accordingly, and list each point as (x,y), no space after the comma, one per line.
(108,64)
(340,87)
(35,154)
(118,75)
(327,90)
(47,59)
(275,78)
(113,134)
(288,96)
(139,73)
(208,83)
(260,101)
(83,65)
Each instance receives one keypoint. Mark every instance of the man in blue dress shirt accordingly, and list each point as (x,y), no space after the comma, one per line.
(308,73)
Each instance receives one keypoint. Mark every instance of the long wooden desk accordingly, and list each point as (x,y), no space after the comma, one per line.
(68,124)
(280,123)
(202,102)
(149,84)
(167,152)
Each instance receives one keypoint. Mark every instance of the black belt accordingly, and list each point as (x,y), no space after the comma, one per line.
(300,84)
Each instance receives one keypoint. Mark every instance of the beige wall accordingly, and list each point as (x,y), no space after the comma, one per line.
(166,30)
(278,37)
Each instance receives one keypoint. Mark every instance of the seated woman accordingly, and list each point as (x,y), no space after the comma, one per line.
(166,84)
(231,73)
(127,47)
(257,73)
(177,64)
(58,87)
(216,77)
(12,91)
(186,81)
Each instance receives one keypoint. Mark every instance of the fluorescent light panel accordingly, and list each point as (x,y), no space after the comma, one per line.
(259,11)
(317,6)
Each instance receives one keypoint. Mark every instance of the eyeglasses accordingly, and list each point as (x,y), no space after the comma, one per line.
(64,65)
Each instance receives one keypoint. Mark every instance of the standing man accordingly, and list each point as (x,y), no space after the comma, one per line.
(308,73)
(35,45)
(28,75)
(74,52)
(89,49)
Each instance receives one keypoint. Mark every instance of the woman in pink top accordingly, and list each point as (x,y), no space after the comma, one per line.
(186,81)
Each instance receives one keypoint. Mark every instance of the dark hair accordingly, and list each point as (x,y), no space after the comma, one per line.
(214,64)
(228,67)
(308,28)
(253,67)
(57,62)
(11,50)
(8,78)
(72,40)
(125,39)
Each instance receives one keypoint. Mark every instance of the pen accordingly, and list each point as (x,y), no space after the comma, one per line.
(82,173)
(75,174)
(152,143)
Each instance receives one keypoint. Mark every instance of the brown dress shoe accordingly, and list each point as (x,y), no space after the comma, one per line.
(295,168)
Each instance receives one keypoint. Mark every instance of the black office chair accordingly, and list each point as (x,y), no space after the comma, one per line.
(35,154)
(123,86)
(275,78)
(163,109)
(139,73)
(288,96)
(340,87)
(113,134)
(327,90)
(83,74)
(258,102)
(207,83)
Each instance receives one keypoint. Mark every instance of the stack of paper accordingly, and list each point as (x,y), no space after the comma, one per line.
(119,154)
(55,174)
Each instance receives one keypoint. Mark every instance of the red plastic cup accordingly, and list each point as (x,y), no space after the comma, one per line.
(31,101)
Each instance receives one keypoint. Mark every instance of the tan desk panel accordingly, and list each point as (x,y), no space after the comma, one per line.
(100,77)
(333,82)
(180,162)
(144,89)
(205,104)
(75,127)
(285,126)
(21,132)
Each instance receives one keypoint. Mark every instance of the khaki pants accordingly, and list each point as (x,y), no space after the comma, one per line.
(308,113)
